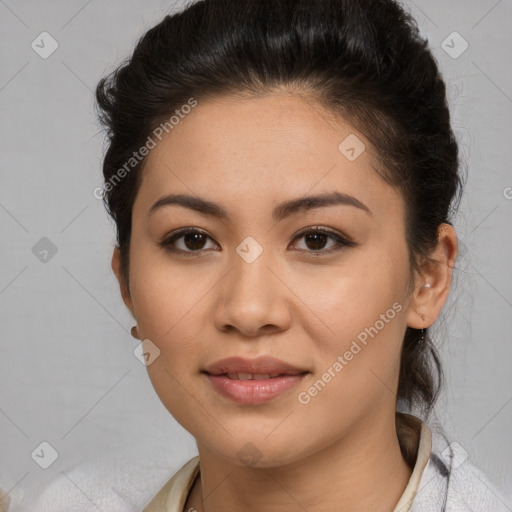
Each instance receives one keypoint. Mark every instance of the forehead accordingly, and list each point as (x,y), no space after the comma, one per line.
(262,148)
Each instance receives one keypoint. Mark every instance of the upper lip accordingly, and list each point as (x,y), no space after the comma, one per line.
(259,365)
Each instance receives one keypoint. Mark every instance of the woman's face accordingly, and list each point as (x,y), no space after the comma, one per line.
(256,282)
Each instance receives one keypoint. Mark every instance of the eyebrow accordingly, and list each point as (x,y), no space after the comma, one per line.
(280,211)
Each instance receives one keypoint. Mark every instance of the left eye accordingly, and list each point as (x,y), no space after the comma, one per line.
(194,241)
(316,239)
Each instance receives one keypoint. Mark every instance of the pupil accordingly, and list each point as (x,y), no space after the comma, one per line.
(196,240)
(318,240)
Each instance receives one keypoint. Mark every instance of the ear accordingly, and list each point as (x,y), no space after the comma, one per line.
(427,303)
(116,267)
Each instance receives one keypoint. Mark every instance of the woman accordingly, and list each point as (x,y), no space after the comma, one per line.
(283,176)
(284,244)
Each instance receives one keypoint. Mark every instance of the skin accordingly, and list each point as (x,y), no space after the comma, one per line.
(340,451)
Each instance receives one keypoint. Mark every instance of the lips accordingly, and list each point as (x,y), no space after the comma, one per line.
(253,381)
(259,368)
(252,376)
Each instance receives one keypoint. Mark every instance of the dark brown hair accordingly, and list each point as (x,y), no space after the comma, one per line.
(362,59)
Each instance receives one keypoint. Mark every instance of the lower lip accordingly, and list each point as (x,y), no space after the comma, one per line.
(253,391)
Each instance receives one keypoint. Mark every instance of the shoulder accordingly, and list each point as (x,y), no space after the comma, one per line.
(451,483)
(120,482)
(471,488)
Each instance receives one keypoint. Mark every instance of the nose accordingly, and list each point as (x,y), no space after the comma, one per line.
(252,299)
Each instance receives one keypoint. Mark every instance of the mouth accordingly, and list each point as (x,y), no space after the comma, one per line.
(253,391)
(262,367)
(253,381)
(255,376)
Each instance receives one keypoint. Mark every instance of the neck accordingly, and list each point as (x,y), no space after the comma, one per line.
(365,470)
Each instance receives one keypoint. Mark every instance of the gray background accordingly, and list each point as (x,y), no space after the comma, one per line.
(68,373)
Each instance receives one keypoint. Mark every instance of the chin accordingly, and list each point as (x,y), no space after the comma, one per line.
(256,450)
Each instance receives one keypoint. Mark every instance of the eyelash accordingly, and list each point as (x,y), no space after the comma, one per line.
(341,241)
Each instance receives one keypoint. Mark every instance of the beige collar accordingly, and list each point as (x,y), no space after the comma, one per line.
(424,449)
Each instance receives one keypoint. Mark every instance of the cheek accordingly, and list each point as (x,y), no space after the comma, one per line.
(363,311)
(343,300)
(165,295)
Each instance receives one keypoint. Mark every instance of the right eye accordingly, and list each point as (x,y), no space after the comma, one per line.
(193,241)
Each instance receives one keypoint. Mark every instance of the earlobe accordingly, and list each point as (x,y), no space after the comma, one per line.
(116,268)
(434,282)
